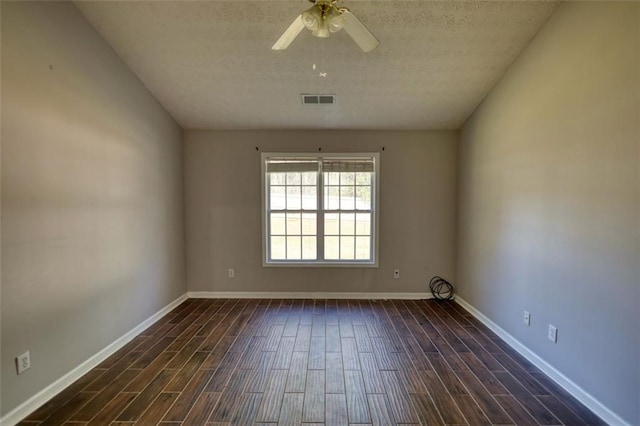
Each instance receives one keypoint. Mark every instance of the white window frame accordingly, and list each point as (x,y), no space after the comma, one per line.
(373,262)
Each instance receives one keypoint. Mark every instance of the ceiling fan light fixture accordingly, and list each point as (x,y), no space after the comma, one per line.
(312,18)
(335,20)
(322,31)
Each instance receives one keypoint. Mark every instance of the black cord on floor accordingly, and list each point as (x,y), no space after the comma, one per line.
(441,288)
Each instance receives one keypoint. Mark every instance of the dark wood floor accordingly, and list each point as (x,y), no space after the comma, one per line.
(325,361)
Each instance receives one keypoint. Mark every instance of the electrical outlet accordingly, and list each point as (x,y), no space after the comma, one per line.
(231,273)
(553,333)
(527,318)
(396,273)
(23,362)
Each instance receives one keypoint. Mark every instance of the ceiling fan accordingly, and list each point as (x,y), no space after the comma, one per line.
(324,18)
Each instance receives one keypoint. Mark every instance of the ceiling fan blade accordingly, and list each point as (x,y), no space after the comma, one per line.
(358,32)
(289,35)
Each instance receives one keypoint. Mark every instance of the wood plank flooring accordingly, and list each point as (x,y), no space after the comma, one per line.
(335,362)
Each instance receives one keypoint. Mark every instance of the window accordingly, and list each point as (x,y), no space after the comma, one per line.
(320,210)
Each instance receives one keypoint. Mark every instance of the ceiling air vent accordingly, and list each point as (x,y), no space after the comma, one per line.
(318,99)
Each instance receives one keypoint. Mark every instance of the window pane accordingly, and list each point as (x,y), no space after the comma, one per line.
(331,224)
(347,198)
(277,224)
(309,248)
(293,178)
(363,197)
(310,178)
(363,248)
(293,198)
(309,226)
(347,249)
(278,248)
(277,197)
(363,224)
(347,178)
(332,248)
(331,198)
(293,224)
(347,223)
(294,248)
(277,178)
(332,178)
(309,198)
(363,178)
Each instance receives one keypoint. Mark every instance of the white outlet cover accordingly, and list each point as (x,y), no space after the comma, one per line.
(396,273)
(23,362)
(527,318)
(553,333)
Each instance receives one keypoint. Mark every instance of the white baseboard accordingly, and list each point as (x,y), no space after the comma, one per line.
(303,295)
(23,410)
(580,394)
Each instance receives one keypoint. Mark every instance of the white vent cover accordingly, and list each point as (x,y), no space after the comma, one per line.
(318,99)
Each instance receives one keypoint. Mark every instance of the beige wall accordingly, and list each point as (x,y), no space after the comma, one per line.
(549,200)
(92,199)
(417,210)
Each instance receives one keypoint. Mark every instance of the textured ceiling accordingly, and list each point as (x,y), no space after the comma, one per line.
(211,65)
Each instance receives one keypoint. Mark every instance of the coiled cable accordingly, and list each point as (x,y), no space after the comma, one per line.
(441,289)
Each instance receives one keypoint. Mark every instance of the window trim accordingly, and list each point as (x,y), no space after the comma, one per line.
(320,229)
